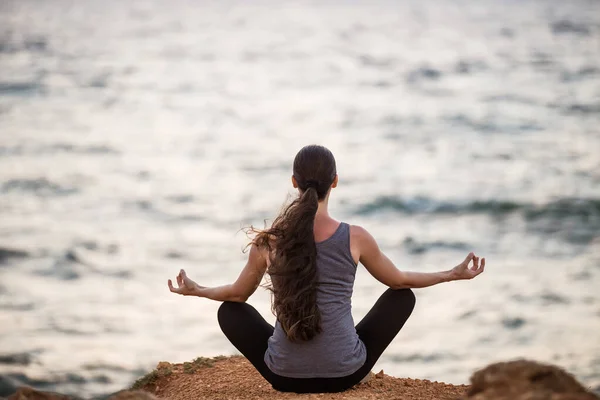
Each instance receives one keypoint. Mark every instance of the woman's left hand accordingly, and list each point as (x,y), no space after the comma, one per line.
(463,271)
(185,286)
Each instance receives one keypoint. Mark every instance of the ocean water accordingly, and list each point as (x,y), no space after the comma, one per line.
(138,138)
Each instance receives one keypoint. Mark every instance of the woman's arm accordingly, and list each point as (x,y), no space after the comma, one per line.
(238,291)
(384,270)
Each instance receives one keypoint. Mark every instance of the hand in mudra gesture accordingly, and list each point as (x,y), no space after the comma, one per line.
(185,286)
(463,271)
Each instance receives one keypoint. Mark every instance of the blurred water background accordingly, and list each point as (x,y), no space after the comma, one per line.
(137,138)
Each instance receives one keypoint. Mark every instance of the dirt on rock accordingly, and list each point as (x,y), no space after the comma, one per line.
(235,378)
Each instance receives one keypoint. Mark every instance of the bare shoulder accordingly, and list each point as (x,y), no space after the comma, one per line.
(258,254)
(360,241)
(358,234)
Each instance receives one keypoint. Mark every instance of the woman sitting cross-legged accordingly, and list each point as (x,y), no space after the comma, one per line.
(311,260)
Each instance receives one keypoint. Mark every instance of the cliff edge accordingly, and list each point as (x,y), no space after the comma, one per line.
(235,378)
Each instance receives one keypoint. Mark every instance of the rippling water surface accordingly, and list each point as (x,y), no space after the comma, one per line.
(137,138)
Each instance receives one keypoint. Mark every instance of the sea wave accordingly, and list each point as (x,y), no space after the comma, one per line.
(493,124)
(56,148)
(20,87)
(10,44)
(576,219)
(560,208)
(422,357)
(39,186)
(17,379)
(565,26)
(418,247)
(8,253)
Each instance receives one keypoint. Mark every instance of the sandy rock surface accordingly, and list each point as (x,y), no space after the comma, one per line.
(236,378)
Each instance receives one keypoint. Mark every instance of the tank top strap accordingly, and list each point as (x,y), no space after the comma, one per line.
(345,239)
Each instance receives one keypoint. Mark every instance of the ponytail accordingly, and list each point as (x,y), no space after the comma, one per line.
(293,267)
(292,248)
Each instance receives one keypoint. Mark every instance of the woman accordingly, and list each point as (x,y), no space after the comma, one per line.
(311,259)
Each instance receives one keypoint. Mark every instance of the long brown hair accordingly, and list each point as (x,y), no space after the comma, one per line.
(292,248)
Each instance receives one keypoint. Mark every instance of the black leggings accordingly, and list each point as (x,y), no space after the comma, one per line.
(247,330)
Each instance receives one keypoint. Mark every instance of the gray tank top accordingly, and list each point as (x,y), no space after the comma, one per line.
(336,351)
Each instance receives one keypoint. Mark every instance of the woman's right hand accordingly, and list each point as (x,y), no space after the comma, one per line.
(463,271)
(185,286)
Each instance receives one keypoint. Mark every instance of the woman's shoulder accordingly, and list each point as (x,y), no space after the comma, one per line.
(360,240)
(359,233)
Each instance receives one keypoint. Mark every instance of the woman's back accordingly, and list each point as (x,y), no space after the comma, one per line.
(336,351)
(315,346)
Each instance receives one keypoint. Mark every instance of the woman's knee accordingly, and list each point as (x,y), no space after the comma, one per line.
(227,312)
(411,298)
(406,297)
